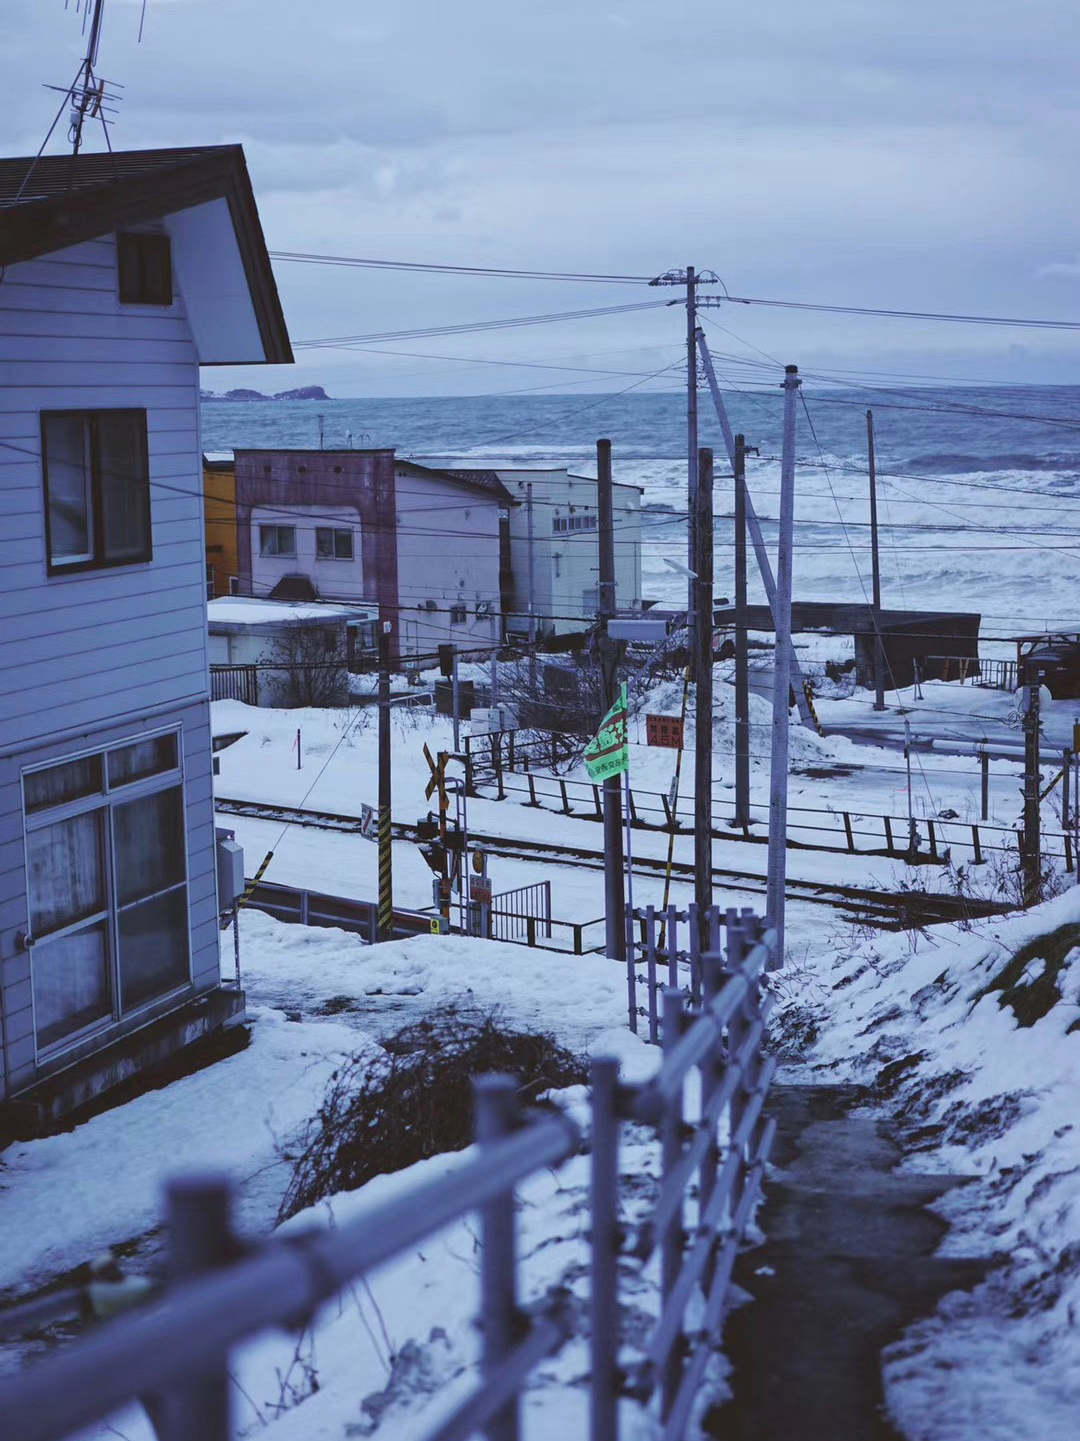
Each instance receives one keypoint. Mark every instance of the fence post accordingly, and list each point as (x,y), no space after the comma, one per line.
(933,839)
(565,800)
(631,971)
(200,1240)
(848,832)
(547,909)
(672,946)
(888,835)
(532,801)
(496,751)
(511,764)
(671,1242)
(693,948)
(712,979)
(650,970)
(605,1240)
(495,1103)
(597,803)
(978,847)
(1066,767)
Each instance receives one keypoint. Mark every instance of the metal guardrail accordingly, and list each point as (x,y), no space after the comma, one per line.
(723,1042)
(235,682)
(511,912)
(173,1355)
(991,673)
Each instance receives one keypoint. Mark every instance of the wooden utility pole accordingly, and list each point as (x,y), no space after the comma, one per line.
(532,591)
(614,899)
(691,437)
(703,680)
(386,873)
(778,777)
(742,659)
(879,644)
(1031,840)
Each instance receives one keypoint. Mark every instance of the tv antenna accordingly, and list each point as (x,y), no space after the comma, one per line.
(90,96)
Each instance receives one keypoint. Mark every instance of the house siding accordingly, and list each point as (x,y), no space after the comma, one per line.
(95,657)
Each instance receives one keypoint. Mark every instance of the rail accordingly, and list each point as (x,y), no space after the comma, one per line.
(173,1355)
(854,832)
(722,1042)
(177,1351)
(511,912)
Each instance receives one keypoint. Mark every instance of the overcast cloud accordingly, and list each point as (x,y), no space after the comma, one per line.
(914,154)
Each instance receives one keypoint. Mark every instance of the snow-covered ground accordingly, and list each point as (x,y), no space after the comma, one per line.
(977,1056)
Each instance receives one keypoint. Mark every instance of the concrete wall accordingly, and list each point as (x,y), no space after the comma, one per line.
(97,653)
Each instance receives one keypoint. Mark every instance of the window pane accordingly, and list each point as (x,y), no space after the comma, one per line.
(67,483)
(58,784)
(149,839)
(153,948)
(65,872)
(144,758)
(124,484)
(343,544)
(324,543)
(71,984)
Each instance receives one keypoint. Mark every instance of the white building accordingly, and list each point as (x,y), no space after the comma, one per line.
(281,653)
(120,274)
(562,519)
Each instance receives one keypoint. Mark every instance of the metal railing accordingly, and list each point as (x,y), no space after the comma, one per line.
(711,1166)
(819,828)
(173,1355)
(993,674)
(235,682)
(511,912)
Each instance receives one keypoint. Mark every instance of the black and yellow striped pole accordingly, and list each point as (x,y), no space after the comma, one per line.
(386,864)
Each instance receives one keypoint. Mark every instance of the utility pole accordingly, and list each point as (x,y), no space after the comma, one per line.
(879,645)
(455,696)
(614,898)
(742,660)
(703,681)
(778,778)
(692,467)
(1031,849)
(386,873)
(532,591)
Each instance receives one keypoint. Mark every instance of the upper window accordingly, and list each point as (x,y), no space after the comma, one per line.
(333,544)
(144,267)
(565,524)
(277,539)
(97,488)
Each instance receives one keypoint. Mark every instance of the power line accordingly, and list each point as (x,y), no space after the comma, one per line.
(349,342)
(500,272)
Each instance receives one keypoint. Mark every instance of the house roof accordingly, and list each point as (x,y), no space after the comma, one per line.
(56,201)
(230,613)
(484,480)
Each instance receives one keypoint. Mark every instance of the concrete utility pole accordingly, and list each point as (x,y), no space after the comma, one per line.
(778,778)
(692,472)
(879,644)
(703,680)
(742,659)
(752,525)
(386,872)
(532,590)
(1031,847)
(614,899)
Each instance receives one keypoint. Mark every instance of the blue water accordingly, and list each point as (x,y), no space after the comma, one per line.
(979,488)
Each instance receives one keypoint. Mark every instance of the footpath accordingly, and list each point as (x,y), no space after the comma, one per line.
(847,1266)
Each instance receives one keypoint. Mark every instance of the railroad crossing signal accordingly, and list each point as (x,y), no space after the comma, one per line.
(438,777)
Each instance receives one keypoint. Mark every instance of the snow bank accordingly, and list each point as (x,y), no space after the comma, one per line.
(973,1039)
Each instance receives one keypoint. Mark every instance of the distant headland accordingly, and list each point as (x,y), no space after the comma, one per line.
(302,392)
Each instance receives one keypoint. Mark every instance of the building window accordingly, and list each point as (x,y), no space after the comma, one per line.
(107,885)
(329,640)
(144,268)
(571,524)
(97,488)
(210,580)
(277,540)
(333,544)
(459,614)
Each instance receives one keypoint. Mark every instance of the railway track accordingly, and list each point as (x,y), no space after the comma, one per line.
(888,910)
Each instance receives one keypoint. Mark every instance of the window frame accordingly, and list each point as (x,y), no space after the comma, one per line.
(276,554)
(131,246)
(335,532)
(104,802)
(96,519)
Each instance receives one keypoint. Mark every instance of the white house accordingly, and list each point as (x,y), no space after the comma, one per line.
(558,510)
(282,653)
(120,274)
(430,548)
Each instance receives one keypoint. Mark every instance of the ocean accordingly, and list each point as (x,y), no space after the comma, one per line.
(978,488)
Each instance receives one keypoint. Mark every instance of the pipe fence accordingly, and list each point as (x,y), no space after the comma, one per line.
(511,912)
(819,828)
(173,1355)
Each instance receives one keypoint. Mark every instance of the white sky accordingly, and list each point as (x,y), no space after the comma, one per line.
(904,153)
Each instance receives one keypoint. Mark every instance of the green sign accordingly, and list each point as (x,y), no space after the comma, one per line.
(608,754)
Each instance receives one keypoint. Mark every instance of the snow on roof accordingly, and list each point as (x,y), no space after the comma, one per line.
(230,610)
